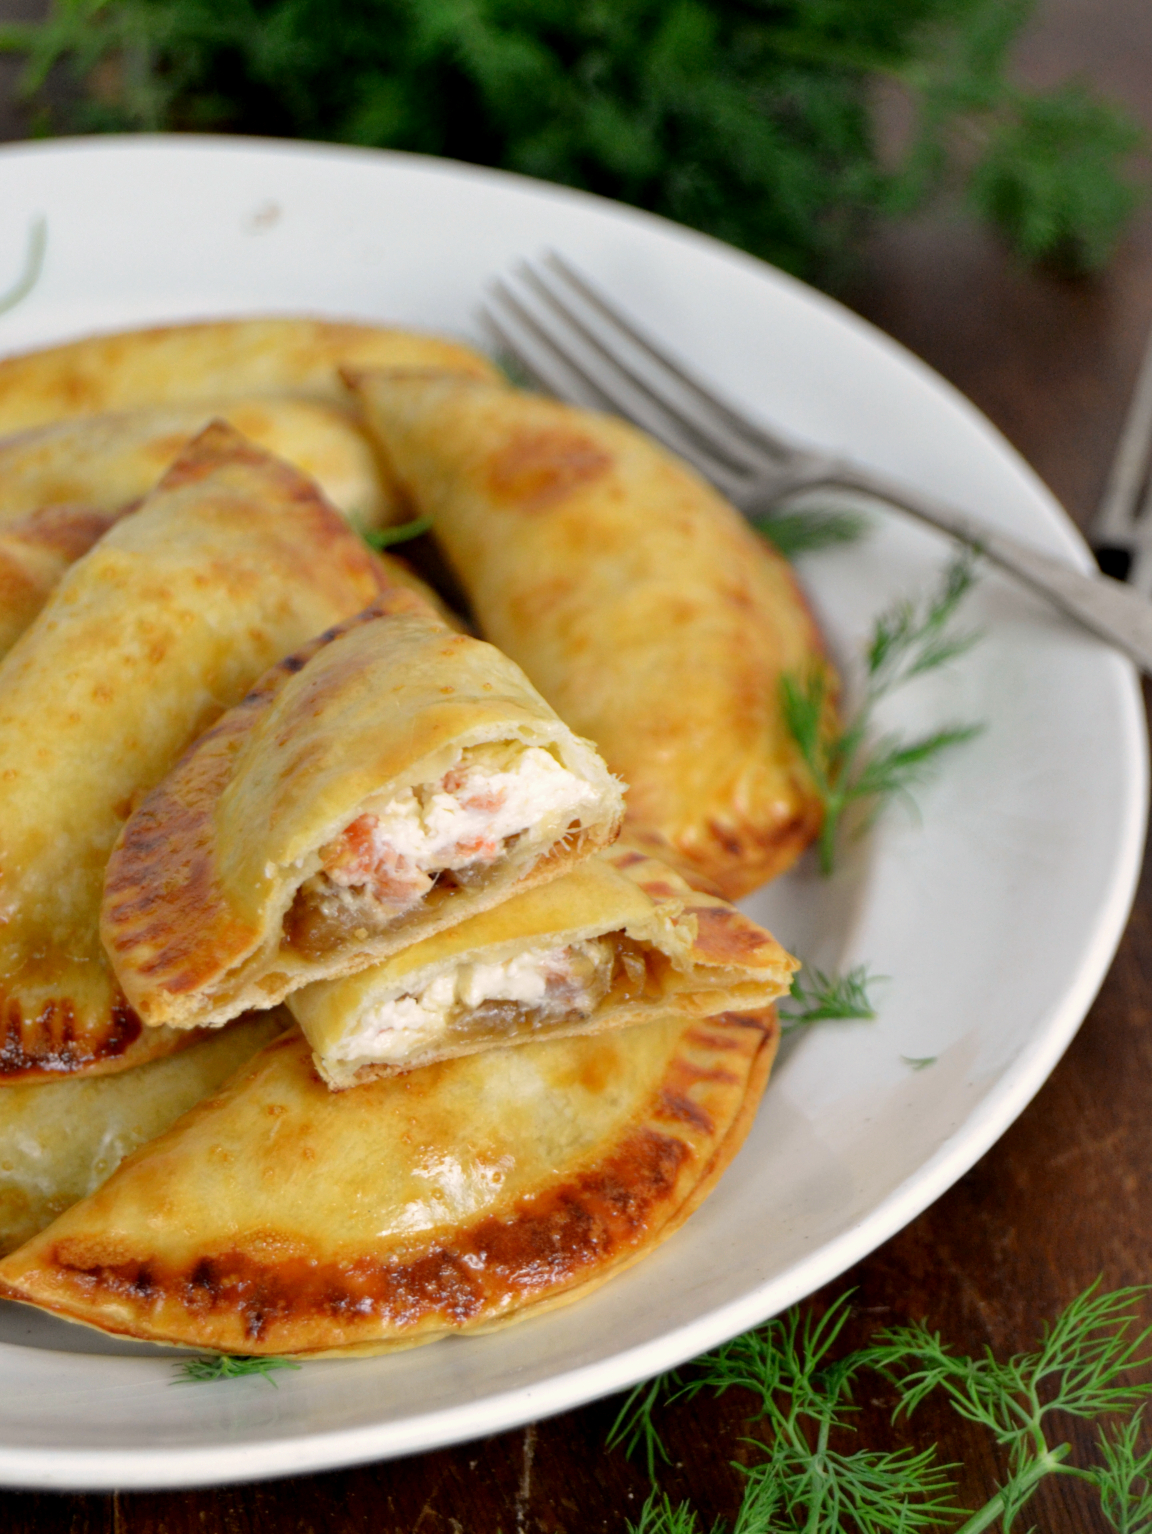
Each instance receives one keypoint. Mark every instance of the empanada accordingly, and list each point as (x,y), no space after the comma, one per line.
(281,1218)
(59,1140)
(231,563)
(385,782)
(637,600)
(35,551)
(617,941)
(208,361)
(106,461)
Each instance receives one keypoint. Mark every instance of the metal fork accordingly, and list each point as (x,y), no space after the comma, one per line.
(579,345)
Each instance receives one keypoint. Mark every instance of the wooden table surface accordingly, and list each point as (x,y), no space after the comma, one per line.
(1067,1193)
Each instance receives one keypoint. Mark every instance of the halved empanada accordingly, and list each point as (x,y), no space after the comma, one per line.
(617,941)
(232,562)
(208,361)
(281,1218)
(640,603)
(385,782)
(106,461)
(59,1140)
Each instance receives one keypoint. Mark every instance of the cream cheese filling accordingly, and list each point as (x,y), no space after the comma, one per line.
(545,982)
(395,847)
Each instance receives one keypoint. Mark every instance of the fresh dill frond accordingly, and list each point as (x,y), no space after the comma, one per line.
(33,266)
(919,1062)
(907,640)
(821,997)
(809,529)
(806,1481)
(227,1366)
(1124,1480)
(382,538)
(660,1515)
(807,1477)
(1082,1368)
(635,1430)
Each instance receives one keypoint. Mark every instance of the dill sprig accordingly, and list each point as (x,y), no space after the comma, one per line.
(1124,1480)
(801,1384)
(821,997)
(809,529)
(382,538)
(1081,1368)
(660,1515)
(227,1366)
(846,766)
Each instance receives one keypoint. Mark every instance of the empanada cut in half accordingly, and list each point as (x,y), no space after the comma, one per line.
(640,603)
(106,461)
(615,942)
(213,360)
(386,781)
(281,1218)
(230,564)
(59,1140)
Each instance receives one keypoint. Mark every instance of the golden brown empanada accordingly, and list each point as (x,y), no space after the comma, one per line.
(617,941)
(59,1140)
(640,603)
(107,461)
(385,782)
(233,561)
(35,551)
(281,1218)
(219,359)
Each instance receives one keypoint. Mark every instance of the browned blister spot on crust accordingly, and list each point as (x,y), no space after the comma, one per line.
(50,1044)
(727,936)
(538,467)
(547,1242)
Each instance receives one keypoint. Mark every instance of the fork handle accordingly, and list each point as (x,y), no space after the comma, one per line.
(1105,606)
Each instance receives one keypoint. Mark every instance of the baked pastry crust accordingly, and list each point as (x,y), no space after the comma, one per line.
(107,461)
(202,889)
(638,601)
(669,948)
(209,361)
(233,561)
(59,1140)
(450,1200)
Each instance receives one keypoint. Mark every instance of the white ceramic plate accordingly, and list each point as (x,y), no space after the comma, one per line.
(994,912)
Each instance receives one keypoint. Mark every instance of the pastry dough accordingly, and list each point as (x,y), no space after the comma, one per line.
(107,461)
(232,562)
(618,940)
(385,782)
(209,361)
(638,601)
(35,551)
(59,1140)
(281,1218)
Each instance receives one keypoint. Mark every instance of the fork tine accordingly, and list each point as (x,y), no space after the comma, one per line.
(534,355)
(716,439)
(550,349)
(702,393)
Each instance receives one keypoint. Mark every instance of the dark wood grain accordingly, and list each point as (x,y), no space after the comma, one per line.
(1067,1193)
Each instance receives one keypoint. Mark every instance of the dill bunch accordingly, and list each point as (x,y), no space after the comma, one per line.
(749,119)
(807,1472)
